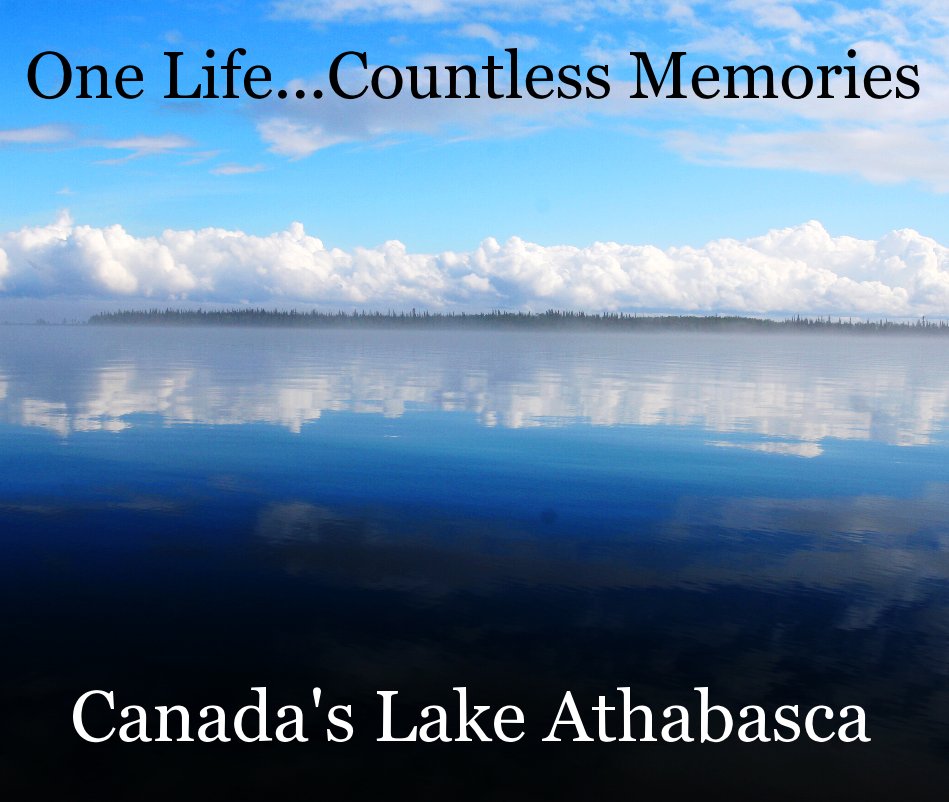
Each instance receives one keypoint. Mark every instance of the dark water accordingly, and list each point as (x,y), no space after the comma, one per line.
(187,514)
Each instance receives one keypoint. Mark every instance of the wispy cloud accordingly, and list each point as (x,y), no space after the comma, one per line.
(879,140)
(297,139)
(237,169)
(478,30)
(141,146)
(886,155)
(35,135)
(322,11)
(200,157)
(136,146)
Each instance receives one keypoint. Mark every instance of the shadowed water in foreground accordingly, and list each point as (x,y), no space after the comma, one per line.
(187,514)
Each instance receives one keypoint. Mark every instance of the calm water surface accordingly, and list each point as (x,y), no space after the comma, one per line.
(186,513)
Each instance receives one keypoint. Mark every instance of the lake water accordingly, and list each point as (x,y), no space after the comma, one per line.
(186,514)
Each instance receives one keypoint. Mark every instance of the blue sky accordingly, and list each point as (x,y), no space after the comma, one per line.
(734,183)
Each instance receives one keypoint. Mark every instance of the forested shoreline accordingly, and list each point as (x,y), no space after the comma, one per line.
(551,319)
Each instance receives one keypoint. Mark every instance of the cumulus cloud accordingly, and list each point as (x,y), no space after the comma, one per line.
(799,269)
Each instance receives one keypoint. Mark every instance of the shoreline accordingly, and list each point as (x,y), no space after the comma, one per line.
(551,320)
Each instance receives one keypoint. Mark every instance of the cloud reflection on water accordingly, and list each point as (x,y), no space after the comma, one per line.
(787,393)
(878,552)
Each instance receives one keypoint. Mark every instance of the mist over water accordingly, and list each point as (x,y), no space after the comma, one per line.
(188,513)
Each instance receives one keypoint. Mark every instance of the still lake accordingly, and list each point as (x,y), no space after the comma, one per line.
(189,513)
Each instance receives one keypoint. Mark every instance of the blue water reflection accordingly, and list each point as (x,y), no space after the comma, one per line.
(521,512)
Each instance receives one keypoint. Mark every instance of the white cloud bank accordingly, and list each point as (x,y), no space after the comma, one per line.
(800,269)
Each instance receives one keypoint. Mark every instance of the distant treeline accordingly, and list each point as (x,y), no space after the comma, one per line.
(551,319)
